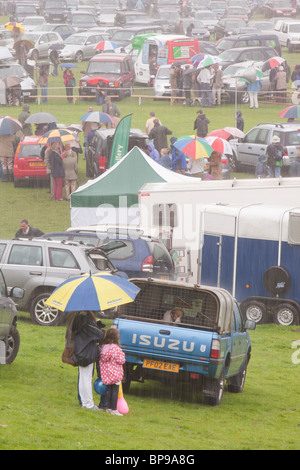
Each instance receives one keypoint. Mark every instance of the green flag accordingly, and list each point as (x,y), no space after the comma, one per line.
(121,139)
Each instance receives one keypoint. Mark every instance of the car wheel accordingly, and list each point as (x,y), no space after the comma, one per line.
(234,165)
(219,386)
(35,55)
(243,97)
(79,56)
(286,315)
(42,314)
(12,345)
(236,383)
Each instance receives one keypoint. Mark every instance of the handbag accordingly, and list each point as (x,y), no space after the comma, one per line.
(67,356)
(72,82)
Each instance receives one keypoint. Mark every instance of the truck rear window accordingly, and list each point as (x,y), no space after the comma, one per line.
(199,308)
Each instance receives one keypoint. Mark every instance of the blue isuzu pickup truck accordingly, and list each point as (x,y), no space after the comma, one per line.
(183,333)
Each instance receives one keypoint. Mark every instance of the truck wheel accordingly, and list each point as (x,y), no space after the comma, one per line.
(44,315)
(234,164)
(12,345)
(236,384)
(126,379)
(219,385)
(286,315)
(255,311)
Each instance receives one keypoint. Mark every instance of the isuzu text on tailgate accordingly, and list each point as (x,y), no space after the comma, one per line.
(176,332)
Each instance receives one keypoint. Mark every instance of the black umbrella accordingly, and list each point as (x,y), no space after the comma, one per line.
(56,47)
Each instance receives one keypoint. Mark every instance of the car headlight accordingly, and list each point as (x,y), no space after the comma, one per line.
(82,83)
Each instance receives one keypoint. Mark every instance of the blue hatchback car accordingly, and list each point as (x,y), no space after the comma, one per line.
(137,255)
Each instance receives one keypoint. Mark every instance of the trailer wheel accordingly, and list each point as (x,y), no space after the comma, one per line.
(286,315)
(276,280)
(255,311)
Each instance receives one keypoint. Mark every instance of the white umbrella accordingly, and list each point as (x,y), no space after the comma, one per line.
(234,131)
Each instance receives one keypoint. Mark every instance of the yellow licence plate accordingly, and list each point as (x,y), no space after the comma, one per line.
(36,164)
(159,365)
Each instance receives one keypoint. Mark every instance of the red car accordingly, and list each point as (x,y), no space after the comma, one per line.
(28,165)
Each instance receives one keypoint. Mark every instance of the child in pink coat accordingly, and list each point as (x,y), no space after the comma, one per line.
(112,359)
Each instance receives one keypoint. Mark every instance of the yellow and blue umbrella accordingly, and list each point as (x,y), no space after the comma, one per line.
(95,292)
(57,135)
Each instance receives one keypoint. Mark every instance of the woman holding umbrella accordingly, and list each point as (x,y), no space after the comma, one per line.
(69,83)
(57,171)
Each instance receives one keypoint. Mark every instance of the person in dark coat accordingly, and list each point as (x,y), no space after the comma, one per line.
(57,171)
(159,135)
(24,114)
(239,121)
(26,231)
(201,124)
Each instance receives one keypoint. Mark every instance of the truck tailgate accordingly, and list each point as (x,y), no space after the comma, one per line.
(186,347)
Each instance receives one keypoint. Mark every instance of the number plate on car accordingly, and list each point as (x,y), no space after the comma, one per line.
(36,164)
(159,365)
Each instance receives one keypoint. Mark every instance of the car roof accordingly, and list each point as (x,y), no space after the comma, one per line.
(30,139)
(107,57)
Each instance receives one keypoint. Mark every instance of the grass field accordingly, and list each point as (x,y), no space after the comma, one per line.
(39,408)
(38,404)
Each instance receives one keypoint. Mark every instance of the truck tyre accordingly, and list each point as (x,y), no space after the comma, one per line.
(216,398)
(286,315)
(12,345)
(126,381)
(255,311)
(44,315)
(276,280)
(236,383)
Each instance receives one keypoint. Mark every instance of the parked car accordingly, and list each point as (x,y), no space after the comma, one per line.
(237,12)
(208,18)
(28,165)
(42,41)
(99,150)
(227,26)
(250,40)
(80,46)
(199,30)
(218,7)
(33,22)
(248,149)
(241,54)
(138,255)
(289,34)
(123,36)
(22,10)
(9,334)
(115,70)
(39,266)
(83,20)
(273,8)
(6,39)
(233,88)
(54,11)
(64,30)
(28,86)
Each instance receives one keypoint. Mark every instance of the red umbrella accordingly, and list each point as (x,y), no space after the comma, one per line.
(220,133)
(219,144)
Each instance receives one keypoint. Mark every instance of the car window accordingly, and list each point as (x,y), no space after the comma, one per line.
(238,323)
(30,151)
(262,137)
(292,138)
(126,251)
(251,136)
(2,248)
(26,255)
(62,259)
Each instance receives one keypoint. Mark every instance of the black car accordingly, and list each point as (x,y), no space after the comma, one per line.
(241,54)
(99,149)
(55,11)
(228,26)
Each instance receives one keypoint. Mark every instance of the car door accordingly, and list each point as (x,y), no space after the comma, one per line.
(43,45)
(239,342)
(24,266)
(253,145)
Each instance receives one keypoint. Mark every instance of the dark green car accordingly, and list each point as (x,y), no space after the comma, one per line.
(9,335)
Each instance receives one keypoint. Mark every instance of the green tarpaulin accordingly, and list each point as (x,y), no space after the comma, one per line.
(123,179)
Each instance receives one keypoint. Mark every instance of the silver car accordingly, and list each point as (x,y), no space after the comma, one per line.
(42,41)
(39,266)
(81,46)
(161,85)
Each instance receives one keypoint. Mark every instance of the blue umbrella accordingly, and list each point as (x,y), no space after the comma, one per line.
(68,65)
(97,116)
(9,125)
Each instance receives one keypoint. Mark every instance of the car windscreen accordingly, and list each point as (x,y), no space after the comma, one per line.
(79,19)
(163,73)
(104,67)
(122,35)
(229,55)
(30,151)
(76,40)
(12,69)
